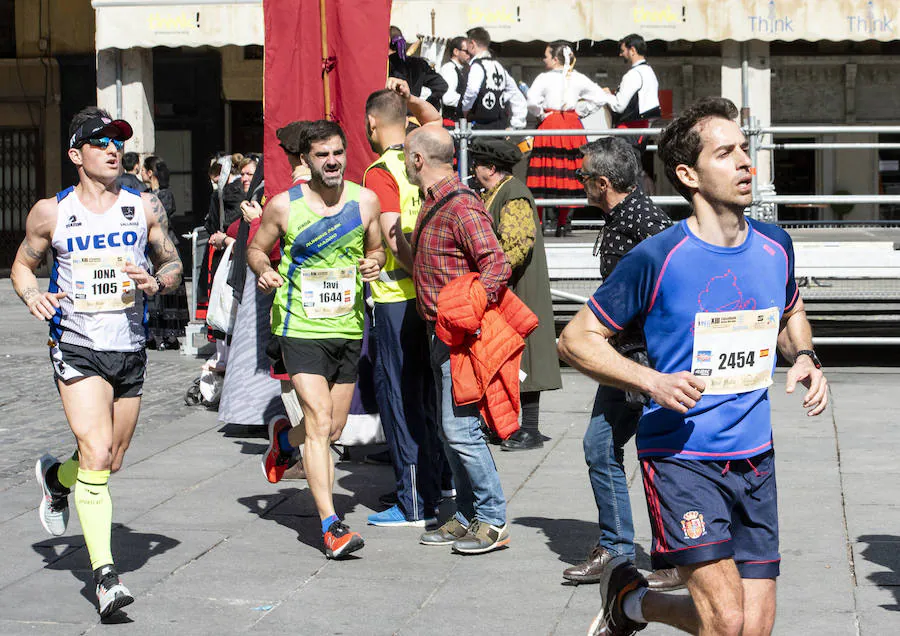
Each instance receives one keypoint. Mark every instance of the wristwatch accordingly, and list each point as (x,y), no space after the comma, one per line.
(161,285)
(812,355)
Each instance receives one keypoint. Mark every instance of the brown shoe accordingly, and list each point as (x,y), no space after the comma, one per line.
(665,580)
(447,534)
(589,571)
(295,472)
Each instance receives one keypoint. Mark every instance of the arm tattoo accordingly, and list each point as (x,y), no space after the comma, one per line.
(170,274)
(32,253)
(29,294)
(159,213)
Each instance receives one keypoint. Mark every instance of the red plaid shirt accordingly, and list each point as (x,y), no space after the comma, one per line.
(457,240)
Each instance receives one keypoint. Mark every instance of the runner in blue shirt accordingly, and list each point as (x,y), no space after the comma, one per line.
(715,296)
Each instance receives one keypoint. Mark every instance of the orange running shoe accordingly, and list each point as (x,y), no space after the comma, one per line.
(276,460)
(340,541)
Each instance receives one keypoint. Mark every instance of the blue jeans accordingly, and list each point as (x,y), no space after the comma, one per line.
(613,423)
(479,494)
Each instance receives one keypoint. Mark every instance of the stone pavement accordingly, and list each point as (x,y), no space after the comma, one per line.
(209,547)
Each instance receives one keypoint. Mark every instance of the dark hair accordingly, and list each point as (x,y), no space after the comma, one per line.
(455,43)
(387,105)
(680,143)
(480,36)
(85,114)
(636,42)
(615,159)
(130,160)
(557,51)
(320,130)
(159,169)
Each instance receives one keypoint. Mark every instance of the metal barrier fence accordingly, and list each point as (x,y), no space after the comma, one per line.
(763,205)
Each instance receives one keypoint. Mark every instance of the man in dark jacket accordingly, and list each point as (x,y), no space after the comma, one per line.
(516,224)
(131,162)
(423,80)
(610,175)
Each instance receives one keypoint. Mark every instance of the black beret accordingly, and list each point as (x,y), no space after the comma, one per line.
(500,152)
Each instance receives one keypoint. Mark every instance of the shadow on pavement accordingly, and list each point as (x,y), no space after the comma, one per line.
(573,539)
(131,550)
(296,513)
(884,550)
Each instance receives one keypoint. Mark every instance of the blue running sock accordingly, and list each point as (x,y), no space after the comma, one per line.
(284,442)
(326,523)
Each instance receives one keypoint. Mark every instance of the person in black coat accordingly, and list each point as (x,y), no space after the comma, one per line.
(416,71)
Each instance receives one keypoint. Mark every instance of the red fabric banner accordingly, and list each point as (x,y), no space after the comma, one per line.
(357,32)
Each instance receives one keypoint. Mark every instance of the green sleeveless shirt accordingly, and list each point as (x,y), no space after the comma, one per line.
(323,295)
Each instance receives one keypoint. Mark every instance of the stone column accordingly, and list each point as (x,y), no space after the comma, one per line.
(136,106)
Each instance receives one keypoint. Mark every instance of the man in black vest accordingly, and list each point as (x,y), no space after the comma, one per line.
(491,98)
(454,73)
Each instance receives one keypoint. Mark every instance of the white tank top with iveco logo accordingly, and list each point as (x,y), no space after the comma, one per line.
(102,309)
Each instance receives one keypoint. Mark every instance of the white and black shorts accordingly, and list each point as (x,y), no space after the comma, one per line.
(123,370)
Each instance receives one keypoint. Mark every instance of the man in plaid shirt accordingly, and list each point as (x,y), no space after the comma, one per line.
(453,237)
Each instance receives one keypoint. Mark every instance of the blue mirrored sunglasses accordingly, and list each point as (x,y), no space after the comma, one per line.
(103,142)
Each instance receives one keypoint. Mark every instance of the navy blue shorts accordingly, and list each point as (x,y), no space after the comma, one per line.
(703,511)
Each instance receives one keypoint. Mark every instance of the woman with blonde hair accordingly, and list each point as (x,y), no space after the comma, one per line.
(552,98)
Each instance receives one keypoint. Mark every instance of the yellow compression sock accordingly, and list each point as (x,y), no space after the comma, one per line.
(94,507)
(67,473)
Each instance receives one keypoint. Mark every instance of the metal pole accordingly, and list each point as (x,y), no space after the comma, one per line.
(745,84)
(829,130)
(830,199)
(463,131)
(830,146)
(575,202)
(118,83)
(875,340)
(754,163)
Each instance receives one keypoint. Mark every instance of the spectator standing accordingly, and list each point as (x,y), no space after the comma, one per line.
(552,98)
(611,175)
(168,314)
(131,178)
(423,81)
(404,384)
(636,101)
(454,73)
(491,99)
(517,227)
(453,237)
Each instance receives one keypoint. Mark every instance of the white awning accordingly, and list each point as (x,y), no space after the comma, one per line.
(123,24)
(669,20)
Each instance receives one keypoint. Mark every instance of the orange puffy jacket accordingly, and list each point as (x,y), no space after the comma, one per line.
(486,347)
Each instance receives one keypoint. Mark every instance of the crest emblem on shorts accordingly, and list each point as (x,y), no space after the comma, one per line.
(128,212)
(693,525)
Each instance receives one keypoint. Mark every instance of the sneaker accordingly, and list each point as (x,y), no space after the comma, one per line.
(447,534)
(112,595)
(54,508)
(448,493)
(295,472)
(618,579)
(393,516)
(482,537)
(276,461)
(340,541)
(381,458)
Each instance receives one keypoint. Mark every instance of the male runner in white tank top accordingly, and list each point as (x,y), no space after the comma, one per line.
(101,236)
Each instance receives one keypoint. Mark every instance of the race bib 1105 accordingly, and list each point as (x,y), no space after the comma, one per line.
(99,284)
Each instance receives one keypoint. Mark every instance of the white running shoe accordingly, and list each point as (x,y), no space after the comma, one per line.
(112,595)
(54,509)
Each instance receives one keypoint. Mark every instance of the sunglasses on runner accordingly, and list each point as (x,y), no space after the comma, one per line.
(103,142)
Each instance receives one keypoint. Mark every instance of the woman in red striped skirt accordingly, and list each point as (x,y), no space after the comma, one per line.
(554,159)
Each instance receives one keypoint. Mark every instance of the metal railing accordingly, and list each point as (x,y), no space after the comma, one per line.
(763,205)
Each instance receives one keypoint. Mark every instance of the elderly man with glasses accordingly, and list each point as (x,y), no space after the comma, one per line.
(611,173)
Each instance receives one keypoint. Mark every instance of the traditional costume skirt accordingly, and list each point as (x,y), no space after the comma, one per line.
(554,159)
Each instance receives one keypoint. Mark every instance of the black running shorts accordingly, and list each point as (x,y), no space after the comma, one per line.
(124,370)
(336,359)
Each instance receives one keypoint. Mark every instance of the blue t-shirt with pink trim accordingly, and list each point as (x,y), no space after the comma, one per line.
(662,283)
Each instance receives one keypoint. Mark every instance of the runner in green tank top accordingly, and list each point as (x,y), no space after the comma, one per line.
(332,244)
